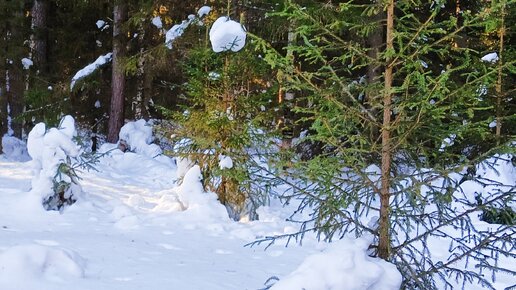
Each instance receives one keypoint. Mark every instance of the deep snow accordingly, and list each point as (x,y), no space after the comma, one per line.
(136,228)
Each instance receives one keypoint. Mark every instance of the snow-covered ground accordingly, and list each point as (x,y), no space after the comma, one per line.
(134,228)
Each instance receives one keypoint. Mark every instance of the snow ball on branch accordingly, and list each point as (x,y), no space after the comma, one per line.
(204,10)
(490,57)
(226,34)
(156,21)
(100,23)
(225,162)
(27,63)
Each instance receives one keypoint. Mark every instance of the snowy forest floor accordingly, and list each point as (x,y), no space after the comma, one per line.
(124,235)
(130,230)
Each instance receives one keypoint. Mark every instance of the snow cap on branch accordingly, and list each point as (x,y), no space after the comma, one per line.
(226,34)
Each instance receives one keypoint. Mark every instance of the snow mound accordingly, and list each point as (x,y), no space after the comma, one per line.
(138,136)
(29,264)
(343,265)
(14,149)
(226,34)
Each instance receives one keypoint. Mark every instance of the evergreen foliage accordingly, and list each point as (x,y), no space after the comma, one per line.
(439,133)
(227,97)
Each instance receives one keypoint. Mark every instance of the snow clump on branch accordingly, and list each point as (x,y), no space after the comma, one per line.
(226,34)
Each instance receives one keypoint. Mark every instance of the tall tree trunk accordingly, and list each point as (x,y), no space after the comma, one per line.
(384,244)
(499,82)
(14,80)
(3,102)
(116,113)
(39,35)
(140,75)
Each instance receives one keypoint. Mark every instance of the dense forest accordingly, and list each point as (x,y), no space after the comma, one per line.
(377,109)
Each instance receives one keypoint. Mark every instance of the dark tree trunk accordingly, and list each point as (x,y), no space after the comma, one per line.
(40,35)
(14,77)
(116,113)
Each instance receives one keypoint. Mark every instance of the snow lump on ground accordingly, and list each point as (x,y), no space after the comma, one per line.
(343,265)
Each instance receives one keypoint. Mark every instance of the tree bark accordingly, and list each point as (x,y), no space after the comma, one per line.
(384,243)
(14,80)
(499,82)
(138,103)
(39,37)
(116,113)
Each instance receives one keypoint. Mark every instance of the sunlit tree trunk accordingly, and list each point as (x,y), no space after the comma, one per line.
(499,82)
(384,244)
(116,113)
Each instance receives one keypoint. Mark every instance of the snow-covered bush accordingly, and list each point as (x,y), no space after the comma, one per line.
(138,137)
(55,180)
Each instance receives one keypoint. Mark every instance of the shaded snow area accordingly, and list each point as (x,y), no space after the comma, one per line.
(136,227)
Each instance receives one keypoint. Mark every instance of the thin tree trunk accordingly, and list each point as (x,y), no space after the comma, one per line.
(116,114)
(3,102)
(499,82)
(140,75)
(384,244)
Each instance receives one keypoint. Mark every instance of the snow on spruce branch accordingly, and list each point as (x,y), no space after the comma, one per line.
(178,29)
(90,68)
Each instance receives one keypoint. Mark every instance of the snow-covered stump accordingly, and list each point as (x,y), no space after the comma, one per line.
(55,180)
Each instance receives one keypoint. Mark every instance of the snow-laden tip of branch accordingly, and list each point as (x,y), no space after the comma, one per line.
(203,11)
(27,63)
(90,68)
(175,32)
(490,57)
(226,34)
(100,23)
(178,29)
(156,21)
